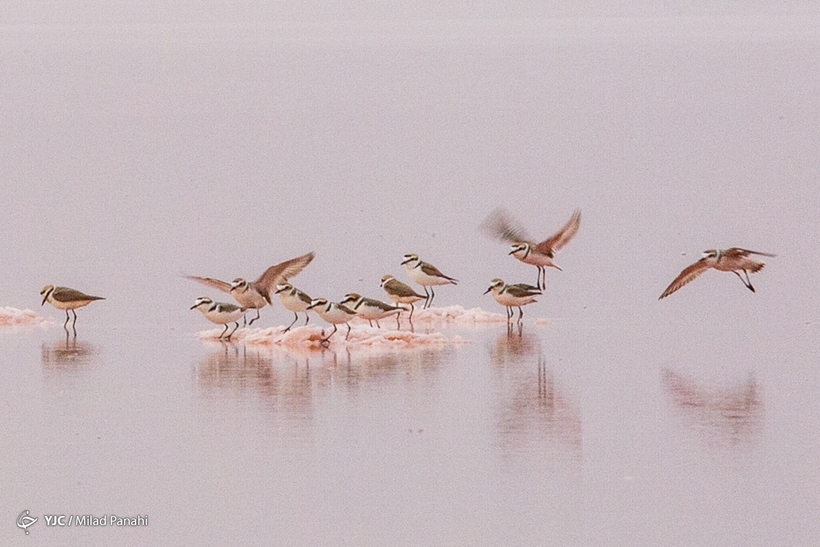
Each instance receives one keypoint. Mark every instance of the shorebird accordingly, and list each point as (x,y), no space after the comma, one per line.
(220,313)
(501,225)
(66,299)
(426,275)
(256,294)
(733,260)
(511,296)
(294,300)
(400,293)
(334,313)
(370,308)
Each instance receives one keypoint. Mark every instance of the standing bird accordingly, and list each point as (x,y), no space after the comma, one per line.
(501,225)
(426,275)
(220,313)
(256,294)
(334,313)
(294,300)
(66,299)
(370,308)
(733,260)
(400,293)
(511,296)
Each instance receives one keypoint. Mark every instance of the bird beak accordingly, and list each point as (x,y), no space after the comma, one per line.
(194,306)
(513,251)
(488,290)
(44,300)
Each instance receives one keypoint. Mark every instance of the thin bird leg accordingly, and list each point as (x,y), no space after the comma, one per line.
(432,296)
(377,324)
(348,331)
(74,323)
(747,283)
(224,331)
(255,318)
(412,309)
(398,324)
(427,299)
(327,340)
(295,319)
(520,313)
(307,318)
(67,317)
(369,322)
(509,311)
(234,329)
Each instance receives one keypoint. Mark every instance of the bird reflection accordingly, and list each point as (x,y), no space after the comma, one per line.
(67,354)
(278,380)
(532,406)
(514,345)
(729,415)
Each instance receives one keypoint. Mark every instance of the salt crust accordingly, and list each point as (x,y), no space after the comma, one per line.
(12,317)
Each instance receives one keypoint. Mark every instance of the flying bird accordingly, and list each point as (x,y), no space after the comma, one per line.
(501,225)
(733,260)
(256,294)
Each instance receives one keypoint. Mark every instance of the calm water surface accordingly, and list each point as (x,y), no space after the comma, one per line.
(559,434)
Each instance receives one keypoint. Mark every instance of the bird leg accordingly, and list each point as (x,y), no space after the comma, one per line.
(745,281)
(432,296)
(348,331)
(255,318)
(224,331)
(234,329)
(327,340)
(295,319)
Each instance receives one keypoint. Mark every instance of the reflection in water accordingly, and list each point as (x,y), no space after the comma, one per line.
(728,415)
(514,345)
(532,406)
(67,354)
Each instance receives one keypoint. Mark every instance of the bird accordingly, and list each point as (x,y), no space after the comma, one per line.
(400,293)
(370,308)
(220,313)
(294,300)
(501,225)
(426,275)
(334,313)
(64,298)
(511,296)
(733,260)
(256,294)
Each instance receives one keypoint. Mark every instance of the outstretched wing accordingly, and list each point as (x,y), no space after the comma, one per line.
(500,224)
(687,275)
(737,252)
(279,273)
(562,236)
(211,282)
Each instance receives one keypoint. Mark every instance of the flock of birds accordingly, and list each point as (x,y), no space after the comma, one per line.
(255,295)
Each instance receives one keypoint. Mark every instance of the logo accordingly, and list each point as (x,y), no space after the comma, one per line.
(24,521)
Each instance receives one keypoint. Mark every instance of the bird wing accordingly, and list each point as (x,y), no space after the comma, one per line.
(737,252)
(501,225)
(281,272)
(688,274)
(562,236)
(520,290)
(400,289)
(211,282)
(431,270)
(65,294)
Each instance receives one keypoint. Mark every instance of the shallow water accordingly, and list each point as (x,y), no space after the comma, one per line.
(558,434)
(136,153)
